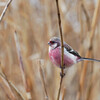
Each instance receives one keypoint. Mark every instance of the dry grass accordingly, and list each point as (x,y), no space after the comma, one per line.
(35,22)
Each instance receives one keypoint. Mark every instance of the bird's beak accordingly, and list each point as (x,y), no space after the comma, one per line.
(49,43)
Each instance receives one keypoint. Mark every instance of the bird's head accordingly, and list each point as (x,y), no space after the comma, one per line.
(54,43)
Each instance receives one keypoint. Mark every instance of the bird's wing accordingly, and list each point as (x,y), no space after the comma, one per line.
(70,50)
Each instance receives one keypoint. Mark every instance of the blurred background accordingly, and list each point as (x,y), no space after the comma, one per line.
(35,22)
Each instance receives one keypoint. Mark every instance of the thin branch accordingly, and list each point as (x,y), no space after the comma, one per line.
(5,9)
(5,91)
(10,93)
(43,81)
(12,87)
(59,88)
(22,67)
(19,95)
(62,48)
(20,57)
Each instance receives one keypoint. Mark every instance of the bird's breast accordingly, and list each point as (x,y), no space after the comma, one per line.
(55,57)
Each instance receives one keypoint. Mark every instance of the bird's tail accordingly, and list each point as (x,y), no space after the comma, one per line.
(81,59)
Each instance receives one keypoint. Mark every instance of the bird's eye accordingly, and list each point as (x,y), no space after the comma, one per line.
(52,42)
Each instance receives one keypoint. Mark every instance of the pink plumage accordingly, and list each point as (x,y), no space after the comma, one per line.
(70,56)
(55,57)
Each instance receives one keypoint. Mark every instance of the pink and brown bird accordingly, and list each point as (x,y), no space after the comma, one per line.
(70,56)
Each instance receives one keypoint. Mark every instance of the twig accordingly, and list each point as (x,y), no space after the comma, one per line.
(19,95)
(43,80)
(5,91)
(5,9)
(20,57)
(10,93)
(62,49)
(12,87)
(22,67)
(93,26)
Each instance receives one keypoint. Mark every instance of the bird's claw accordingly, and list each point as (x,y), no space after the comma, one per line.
(62,74)
(62,67)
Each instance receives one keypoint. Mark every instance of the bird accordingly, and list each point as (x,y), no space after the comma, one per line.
(71,56)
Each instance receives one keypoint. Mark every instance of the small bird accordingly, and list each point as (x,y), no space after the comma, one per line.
(70,56)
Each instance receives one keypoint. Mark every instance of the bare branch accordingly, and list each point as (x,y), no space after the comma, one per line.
(62,48)
(43,80)
(10,93)
(5,9)
(12,87)
(22,67)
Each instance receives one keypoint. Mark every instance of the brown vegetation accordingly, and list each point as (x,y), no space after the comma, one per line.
(26,71)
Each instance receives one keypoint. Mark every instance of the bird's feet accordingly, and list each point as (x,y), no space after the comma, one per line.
(62,74)
(62,67)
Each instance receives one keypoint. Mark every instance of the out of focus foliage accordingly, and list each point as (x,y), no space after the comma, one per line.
(36,22)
